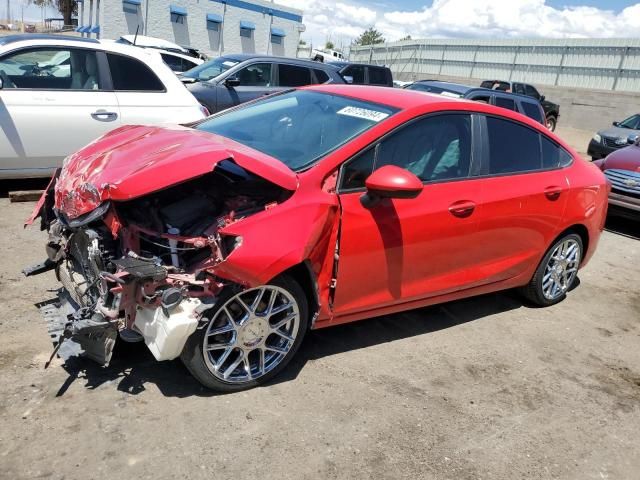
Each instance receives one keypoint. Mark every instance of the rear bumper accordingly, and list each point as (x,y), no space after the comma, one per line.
(597,150)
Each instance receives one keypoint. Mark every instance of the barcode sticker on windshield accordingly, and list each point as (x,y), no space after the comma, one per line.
(365,113)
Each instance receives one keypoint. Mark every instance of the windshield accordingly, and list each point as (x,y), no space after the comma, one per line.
(423,87)
(211,69)
(633,122)
(298,127)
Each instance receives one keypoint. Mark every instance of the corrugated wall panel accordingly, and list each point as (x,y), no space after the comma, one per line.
(586,63)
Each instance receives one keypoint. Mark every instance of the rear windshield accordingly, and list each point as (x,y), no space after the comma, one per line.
(211,69)
(298,127)
(424,87)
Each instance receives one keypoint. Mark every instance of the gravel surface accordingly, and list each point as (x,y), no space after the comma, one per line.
(479,388)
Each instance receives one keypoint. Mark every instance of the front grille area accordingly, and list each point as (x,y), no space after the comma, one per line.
(611,143)
(624,182)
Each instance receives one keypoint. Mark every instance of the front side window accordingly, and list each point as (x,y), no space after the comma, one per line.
(50,69)
(356,72)
(512,147)
(293,76)
(519,88)
(298,127)
(256,75)
(436,148)
(129,74)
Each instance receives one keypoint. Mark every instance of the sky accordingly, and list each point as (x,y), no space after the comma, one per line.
(343,20)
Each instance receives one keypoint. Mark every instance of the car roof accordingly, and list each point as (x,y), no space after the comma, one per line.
(241,57)
(25,37)
(454,87)
(404,99)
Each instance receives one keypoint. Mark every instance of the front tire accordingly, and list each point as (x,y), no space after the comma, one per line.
(552,122)
(556,273)
(251,335)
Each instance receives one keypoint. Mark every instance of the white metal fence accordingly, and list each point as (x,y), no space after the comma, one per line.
(608,64)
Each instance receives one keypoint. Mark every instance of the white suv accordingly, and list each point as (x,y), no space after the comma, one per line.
(59,93)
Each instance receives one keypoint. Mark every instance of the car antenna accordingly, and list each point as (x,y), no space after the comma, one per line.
(135,37)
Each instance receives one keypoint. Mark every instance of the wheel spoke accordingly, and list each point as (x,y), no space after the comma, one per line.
(279,308)
(284,335)
(224,329)
(271,348)
(223,358)
(257,300)
(247,366)
(260,361)
(234,365)
(283,321)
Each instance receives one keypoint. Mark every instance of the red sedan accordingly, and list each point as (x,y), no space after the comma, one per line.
(225,242)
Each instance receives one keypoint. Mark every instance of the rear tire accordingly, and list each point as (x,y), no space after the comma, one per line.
(556,273)
(250,337)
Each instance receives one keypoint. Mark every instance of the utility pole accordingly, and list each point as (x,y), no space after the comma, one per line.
(8,11)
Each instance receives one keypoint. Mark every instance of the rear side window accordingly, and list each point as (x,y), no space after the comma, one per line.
(293,76)
(377,76)
(532,110)
(174,63)
(512,147)
(129,74)
(505,103)
(553,156)
(519,88)
(321,75)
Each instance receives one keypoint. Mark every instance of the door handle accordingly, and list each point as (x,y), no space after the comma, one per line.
(552,193)
(462,209)
(104,116)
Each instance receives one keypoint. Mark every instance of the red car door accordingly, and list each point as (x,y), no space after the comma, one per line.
(406,249)
(523,198)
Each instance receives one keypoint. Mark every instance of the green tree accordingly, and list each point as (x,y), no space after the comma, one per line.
(67,8)
(408,37)
(302,42)
(370,36)
(329,45)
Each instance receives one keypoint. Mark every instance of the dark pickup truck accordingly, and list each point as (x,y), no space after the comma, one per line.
(551,110)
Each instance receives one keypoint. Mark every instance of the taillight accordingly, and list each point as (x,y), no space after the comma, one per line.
(204,110)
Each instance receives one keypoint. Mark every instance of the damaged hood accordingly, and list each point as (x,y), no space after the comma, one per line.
(133,161)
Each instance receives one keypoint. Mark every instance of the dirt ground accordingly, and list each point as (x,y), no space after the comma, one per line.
(484,388)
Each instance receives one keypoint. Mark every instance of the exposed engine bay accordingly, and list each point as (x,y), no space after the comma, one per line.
(143,268)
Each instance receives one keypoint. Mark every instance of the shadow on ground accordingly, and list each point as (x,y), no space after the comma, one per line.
(623,226)
(7,186)
(133,366)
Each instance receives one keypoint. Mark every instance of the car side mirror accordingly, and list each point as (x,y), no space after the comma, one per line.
(616,124)
(1,83)
(232,81)
(348,79)
(390,182)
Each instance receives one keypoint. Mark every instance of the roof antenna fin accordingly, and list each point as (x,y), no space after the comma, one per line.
(136,35)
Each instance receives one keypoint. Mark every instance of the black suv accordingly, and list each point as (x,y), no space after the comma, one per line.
(363,74)
(551,110)
(518,103)
(233,79)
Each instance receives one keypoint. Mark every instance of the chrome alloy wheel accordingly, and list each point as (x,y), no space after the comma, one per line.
(251,334)
(561,269)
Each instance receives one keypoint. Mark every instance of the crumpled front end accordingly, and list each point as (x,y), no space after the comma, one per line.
(144,268)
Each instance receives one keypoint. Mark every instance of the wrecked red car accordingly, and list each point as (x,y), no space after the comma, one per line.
(225,242)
